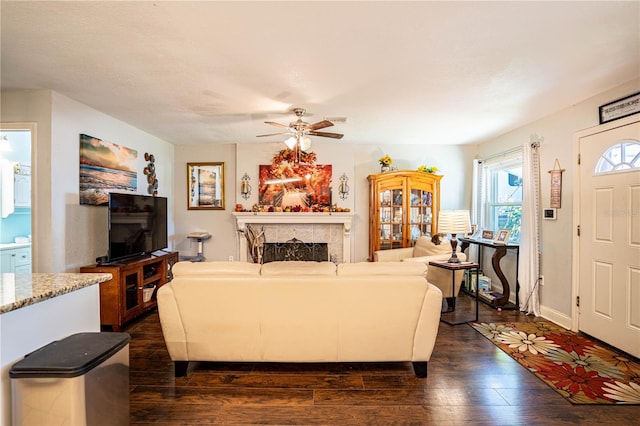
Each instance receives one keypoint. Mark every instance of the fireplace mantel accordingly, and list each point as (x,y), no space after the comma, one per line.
(339,218)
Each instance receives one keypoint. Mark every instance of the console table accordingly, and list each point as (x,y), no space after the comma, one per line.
(500,251)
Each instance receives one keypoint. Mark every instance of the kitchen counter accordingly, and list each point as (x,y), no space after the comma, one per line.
(36,309)
(19,290)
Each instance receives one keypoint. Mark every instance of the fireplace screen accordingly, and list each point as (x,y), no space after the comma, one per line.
(295,249)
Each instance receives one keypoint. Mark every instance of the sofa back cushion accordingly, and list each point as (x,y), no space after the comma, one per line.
(297,268)
(424,247)
(216,268)
(362,269)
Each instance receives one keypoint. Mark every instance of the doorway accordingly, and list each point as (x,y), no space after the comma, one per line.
(16,197)
(607,270)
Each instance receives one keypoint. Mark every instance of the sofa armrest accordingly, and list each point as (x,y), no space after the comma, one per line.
(428,323)
(171,322)
(393,255)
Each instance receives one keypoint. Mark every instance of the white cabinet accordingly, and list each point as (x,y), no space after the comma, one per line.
(16,260)
(15,187)
(22,187)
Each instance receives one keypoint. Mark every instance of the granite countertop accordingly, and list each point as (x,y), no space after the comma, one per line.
(20,290)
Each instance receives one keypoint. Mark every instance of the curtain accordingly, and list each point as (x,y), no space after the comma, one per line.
(478,195)
(529,263)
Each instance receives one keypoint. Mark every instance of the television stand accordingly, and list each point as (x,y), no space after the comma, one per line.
(132,289)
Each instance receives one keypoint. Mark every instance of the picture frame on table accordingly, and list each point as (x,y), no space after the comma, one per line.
(619,108)
(487,234)
(205,186)
(502,236)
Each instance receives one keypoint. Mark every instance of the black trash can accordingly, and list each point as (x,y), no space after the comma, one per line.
(82,379)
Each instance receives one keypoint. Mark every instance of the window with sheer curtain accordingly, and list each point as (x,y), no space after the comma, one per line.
(498,193)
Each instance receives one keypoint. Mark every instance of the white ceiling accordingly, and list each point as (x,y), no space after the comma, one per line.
(401,72)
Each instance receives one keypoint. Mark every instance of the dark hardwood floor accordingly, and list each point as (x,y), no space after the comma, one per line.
(470,381)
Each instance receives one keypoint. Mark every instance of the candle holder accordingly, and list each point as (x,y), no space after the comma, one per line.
(245,188)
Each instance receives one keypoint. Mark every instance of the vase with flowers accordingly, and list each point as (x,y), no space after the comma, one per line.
(385,163)
(429,169)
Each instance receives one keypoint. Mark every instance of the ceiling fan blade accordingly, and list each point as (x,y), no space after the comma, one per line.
(272,134)
(320,125)
(327,134)
(273,123)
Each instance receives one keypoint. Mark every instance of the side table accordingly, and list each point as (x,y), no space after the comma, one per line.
(453,267)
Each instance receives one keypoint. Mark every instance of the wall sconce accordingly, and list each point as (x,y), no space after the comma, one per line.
(343,189)
(245,188)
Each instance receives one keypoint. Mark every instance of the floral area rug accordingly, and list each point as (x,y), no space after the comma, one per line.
(582,371)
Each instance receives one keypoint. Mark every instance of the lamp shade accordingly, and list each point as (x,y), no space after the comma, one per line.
(291,142)
(454,222)
(305,143)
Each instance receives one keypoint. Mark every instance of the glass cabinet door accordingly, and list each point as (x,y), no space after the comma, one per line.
(420,218)
(391,213)
(131,293)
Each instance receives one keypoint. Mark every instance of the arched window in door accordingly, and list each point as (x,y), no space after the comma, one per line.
(621,156)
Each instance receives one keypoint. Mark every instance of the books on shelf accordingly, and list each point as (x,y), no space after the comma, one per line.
(484,282)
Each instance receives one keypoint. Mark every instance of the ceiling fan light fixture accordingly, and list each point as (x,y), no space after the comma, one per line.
(290,142)
(305,143)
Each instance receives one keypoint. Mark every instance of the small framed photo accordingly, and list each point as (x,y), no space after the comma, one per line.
(487,235)
(620,108)
(474,229)
(503,236)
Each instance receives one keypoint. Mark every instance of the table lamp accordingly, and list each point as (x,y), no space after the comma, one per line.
(454,222)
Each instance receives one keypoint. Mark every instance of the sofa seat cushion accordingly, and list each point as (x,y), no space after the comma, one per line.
(362,269)
(215,268)
(297,268)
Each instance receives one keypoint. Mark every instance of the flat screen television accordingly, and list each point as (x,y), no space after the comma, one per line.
(137,225)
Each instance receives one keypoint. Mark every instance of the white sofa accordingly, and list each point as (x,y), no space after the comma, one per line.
(426,251)
(299,312)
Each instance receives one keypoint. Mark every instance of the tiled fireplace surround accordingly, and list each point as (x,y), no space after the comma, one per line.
(331,228)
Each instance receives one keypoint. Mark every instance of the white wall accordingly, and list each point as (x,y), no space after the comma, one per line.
(557,130)
(68,235)
(219,223)
(356,161)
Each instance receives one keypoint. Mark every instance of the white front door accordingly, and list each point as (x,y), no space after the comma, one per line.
(609,242)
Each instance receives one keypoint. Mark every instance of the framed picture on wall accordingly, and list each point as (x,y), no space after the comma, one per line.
(620,108)
(205,186)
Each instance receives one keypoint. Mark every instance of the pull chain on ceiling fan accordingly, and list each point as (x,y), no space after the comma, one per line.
(299,131)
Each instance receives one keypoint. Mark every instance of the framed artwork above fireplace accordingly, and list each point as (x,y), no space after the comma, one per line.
(293,182)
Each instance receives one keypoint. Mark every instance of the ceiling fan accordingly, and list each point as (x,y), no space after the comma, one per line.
(300,131)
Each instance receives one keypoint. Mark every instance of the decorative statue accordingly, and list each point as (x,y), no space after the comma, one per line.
(255,238)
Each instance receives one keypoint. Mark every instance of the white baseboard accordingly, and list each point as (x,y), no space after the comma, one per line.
(556,317)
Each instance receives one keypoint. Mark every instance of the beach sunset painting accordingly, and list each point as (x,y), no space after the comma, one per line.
(105,167)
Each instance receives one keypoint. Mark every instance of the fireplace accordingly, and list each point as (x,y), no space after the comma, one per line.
(295,249)
(333,229)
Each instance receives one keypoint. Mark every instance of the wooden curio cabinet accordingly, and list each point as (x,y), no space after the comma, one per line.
(403,205)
